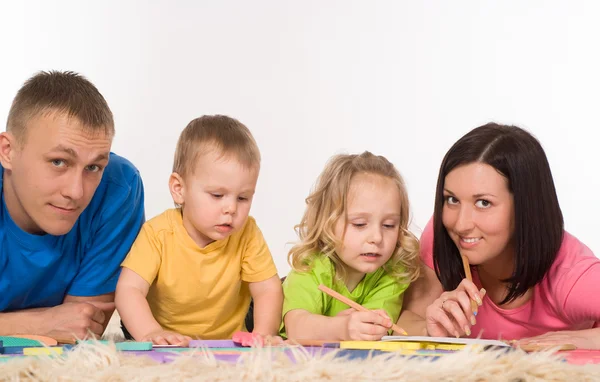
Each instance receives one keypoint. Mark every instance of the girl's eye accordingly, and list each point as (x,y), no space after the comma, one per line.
(358,225)
(482,203)
(391,226)
(242,199)
(217,196)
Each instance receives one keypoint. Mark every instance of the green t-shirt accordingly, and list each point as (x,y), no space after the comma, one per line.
(377,290)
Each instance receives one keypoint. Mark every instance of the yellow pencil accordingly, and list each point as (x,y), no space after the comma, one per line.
(470,278)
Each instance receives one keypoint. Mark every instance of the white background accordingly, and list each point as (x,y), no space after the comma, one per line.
(314,78)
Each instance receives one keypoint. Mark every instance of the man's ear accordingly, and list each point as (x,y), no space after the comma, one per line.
(177,188)
(8,146)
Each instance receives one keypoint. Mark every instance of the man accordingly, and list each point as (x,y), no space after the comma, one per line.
(69,213)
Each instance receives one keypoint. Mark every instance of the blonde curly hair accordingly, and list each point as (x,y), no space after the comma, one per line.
(327,203)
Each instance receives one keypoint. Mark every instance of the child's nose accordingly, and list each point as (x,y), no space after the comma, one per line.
(375,236)
(230,207)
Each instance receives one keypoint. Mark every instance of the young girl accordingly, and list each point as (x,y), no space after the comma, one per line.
(496,204)
(354,239)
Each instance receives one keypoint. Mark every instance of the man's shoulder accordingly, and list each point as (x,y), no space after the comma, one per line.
(120,178)
(120,189)
(120,171)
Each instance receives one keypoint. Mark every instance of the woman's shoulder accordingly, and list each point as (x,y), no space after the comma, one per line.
(572,260)
(573,251)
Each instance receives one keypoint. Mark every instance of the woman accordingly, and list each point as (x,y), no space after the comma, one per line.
(496,204)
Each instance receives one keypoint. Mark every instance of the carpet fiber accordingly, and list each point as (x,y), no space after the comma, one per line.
(94,362)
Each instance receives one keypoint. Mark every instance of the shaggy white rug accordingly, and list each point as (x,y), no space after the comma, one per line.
(96,362)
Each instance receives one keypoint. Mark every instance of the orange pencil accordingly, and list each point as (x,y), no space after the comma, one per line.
(354,305)
(470,278)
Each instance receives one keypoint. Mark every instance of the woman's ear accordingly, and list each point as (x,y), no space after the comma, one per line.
(177,188)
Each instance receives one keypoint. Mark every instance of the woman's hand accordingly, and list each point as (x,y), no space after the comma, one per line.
(582,339)
(451,314)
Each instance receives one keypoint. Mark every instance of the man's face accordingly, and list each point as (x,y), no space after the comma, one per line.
(50,178)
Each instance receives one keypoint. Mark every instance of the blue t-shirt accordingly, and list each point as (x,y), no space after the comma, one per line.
(40,270)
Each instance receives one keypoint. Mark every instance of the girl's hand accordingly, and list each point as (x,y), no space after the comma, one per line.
(166,337)
(451,314)
(368,326)
(347,312)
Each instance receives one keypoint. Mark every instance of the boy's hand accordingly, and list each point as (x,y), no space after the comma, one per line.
(271,340)
(166,337)
(368,326)
(256,339)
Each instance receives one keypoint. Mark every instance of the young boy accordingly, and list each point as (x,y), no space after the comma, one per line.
(192,270)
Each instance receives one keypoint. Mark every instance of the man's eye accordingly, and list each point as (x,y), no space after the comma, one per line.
(94,168)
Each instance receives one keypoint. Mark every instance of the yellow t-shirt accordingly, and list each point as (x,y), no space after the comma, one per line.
(199,292)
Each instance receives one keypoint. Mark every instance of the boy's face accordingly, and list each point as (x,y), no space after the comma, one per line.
(51,177)
(216,198)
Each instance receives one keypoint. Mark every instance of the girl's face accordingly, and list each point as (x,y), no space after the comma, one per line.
(371,226)
(478,212)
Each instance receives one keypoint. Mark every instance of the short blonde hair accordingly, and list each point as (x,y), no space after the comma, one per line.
(225,134)
(63,92)
(327,203)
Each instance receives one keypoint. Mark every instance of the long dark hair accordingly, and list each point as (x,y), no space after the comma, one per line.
(538,220)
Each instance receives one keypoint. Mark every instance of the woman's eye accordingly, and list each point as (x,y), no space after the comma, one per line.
(482,203)
(451,200)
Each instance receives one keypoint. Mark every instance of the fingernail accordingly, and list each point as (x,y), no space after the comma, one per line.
(483,292)
(475,313)
(473,321)
(456,335)
(467,330)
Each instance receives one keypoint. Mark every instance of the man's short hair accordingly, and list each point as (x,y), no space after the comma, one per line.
(62,92)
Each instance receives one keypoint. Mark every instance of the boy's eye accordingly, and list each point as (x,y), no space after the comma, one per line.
(58,163)
(242,199)
(482,203)
(218,196)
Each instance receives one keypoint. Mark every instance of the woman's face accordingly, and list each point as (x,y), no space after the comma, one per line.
(478,212)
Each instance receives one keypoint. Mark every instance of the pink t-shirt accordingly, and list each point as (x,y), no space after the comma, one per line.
(568,298)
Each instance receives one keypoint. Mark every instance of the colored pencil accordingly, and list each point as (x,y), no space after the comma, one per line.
(354,305)
(467,267)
